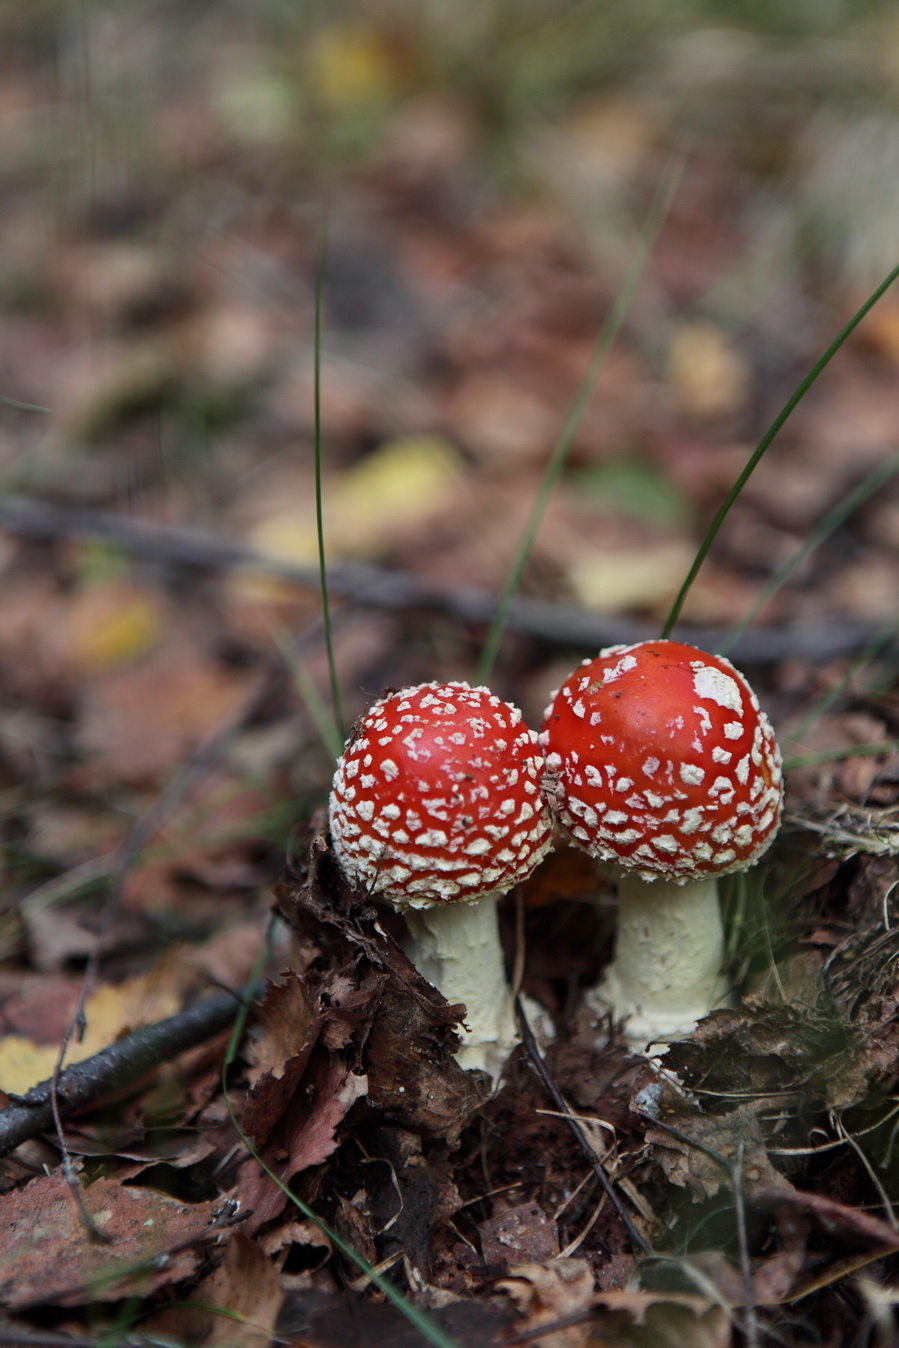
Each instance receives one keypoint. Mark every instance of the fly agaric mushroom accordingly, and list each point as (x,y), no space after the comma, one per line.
(436,807)
(660,759)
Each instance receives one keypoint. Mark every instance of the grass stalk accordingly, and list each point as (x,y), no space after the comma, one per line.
(655,218)
(321,253)
(785,413)
(878,477)
(319,712)
(6,401)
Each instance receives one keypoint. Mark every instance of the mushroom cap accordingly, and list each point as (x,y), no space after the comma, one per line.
(659,758)
(437,797)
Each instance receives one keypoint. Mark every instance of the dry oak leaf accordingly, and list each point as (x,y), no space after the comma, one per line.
(545,1293)
(48,1257)
(235,1306)
(638,1319)
(684,1153)
(413,1078)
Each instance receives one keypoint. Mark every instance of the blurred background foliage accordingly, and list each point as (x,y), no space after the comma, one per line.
(166,170)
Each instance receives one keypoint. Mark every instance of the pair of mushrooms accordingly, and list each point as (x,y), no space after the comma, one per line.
(654,756)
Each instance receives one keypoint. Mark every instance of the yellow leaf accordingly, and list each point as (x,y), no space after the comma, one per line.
(707,375)
(398,485)
(117,1008)
(23,1063)
(113,1011)
(350,67)
(613,582)
(395,487)
(110,623)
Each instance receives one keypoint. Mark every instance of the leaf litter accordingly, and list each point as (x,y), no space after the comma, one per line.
(459,317)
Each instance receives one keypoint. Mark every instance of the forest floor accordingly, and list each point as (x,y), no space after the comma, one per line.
(164,766)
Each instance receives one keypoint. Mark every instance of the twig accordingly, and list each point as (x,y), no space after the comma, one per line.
(734,1171)
(113,1068)
(130,849)
(536,1058)
(555,624)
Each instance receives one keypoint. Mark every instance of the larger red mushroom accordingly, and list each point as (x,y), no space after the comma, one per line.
(436,807)
(659,759)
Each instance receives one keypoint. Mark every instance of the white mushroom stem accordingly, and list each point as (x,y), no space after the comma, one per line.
(456,947)
(666,974)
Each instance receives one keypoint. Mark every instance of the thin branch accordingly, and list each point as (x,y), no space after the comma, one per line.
(397,591)
(734,1172)
(536,1058)
(113,1068)
(137,838)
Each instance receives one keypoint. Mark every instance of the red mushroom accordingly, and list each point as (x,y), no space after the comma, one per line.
(660,759)
(436,807)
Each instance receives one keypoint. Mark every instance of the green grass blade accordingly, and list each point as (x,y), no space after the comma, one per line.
(319,713)
(880,642)
(764,443)
(319,520)
(429,1331)
(871,483)
(652,225)
(23,407)
(845,751)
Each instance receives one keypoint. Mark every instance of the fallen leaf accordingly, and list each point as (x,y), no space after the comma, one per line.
(401,483)
(654,1320)
(616,582)
(522,1234)
(392,490)
(689,1142)
(109,623)
(288,1020)
(554,1291)
(48,1256)
(112,1011)
(237,1304)
(137,724)
(350,67)
(707,374)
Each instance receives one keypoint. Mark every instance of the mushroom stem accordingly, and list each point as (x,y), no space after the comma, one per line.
(456,946)
(666,974)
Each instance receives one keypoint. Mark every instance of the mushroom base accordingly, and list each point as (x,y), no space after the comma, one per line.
(456,947)
(666,974)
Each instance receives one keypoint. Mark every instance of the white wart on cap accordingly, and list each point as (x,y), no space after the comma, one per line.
(663,761)
(659,759)
(436,807)
(437,797)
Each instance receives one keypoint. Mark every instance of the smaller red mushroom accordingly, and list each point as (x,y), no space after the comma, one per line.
(436,807)
(659,759)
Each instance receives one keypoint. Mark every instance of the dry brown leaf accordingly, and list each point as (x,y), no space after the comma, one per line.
(520,1234)
(140,723)
(288,1021)
(686,1158)
(708,376)
(235,1306)
(48,1256)
(651,1320)
(554,1291)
